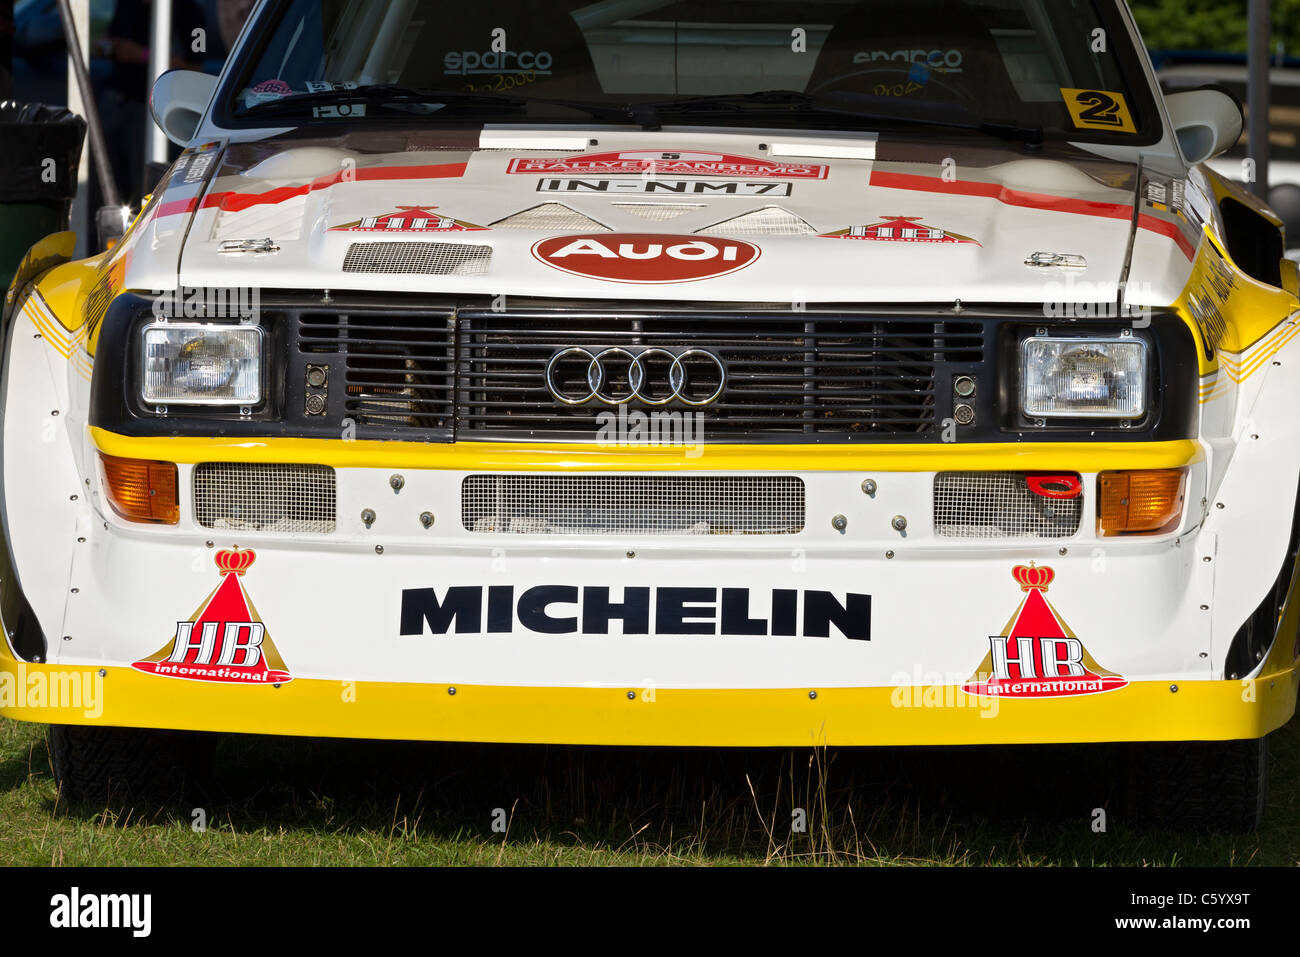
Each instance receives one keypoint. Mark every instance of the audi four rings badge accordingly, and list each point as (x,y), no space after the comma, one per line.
(617,376)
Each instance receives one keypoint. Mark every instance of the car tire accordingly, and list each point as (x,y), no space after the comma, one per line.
(107,766)
(1198,785)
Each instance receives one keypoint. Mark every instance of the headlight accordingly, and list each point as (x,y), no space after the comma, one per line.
(201,364)
(1083,378)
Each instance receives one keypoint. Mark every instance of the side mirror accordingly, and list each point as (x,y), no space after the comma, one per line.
(1206,122)
(178,101)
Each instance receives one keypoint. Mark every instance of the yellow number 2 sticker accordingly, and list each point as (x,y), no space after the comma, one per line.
(1098,110)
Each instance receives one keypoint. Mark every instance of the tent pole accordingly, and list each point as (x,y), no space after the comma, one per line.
(1258,92)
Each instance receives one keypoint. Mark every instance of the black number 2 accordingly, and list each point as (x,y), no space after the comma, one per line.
(1101,108)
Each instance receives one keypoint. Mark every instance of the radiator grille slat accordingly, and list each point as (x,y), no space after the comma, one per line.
(241,496)
(479,375)
(641,504)
(838,375)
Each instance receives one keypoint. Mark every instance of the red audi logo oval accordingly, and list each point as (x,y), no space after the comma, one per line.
(645,257)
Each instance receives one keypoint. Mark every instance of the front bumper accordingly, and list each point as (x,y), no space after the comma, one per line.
(357,663)
(1143,711)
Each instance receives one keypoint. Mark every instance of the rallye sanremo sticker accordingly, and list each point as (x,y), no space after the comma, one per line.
(224,640)
(1037,655)
(671,163)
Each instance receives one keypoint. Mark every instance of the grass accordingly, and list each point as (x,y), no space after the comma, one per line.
(324,802)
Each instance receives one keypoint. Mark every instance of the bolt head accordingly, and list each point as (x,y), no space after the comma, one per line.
(898,523)
(869,486)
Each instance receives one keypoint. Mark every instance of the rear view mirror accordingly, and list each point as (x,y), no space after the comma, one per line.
(1206,122)
(178,101)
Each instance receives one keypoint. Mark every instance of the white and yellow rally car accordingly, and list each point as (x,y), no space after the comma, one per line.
(666,373)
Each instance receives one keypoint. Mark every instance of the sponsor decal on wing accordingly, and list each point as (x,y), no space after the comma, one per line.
(899,229)
(409,219)
(225,640)
(1037,655)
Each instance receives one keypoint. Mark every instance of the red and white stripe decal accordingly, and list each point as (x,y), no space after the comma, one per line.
(1044,201)
(234,201)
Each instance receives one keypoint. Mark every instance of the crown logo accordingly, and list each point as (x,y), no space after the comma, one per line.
(1030,577)
(236,561)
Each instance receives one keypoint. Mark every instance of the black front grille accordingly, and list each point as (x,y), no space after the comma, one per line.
(398,370)
(444,375)
(840,375)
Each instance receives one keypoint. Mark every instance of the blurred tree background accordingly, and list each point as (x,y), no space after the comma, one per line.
(1211,24)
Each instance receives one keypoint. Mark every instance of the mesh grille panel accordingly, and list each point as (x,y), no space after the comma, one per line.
(549,216)
(435,259)
(768,221)
(645,504)
(999,505)
(266,498)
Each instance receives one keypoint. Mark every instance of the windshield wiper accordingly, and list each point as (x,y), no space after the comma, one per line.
(379,94)
(843,103)
(457,100)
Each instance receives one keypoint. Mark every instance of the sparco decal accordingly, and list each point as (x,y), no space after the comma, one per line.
(225,639)
(941,61)
(1037,655)
(409,219)
(645,257)
(661,163)
(639,610)
(899,229)
(680,187)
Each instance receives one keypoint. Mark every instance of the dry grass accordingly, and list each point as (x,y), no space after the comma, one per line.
(320,802)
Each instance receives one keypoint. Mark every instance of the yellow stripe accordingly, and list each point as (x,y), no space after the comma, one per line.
(1148,711)
(545,457)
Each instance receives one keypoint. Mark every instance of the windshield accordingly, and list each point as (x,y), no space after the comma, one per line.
(1062,66)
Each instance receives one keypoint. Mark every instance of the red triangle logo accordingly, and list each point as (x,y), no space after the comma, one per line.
(1037,655)
(225,640)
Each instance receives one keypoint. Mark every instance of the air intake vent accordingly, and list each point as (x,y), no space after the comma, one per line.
(430,259)
(768,221)
(658,212)
(554,216)
(239,496)
(999,505)
(641,504)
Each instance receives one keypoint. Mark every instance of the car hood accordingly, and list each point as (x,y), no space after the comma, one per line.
(802,218)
